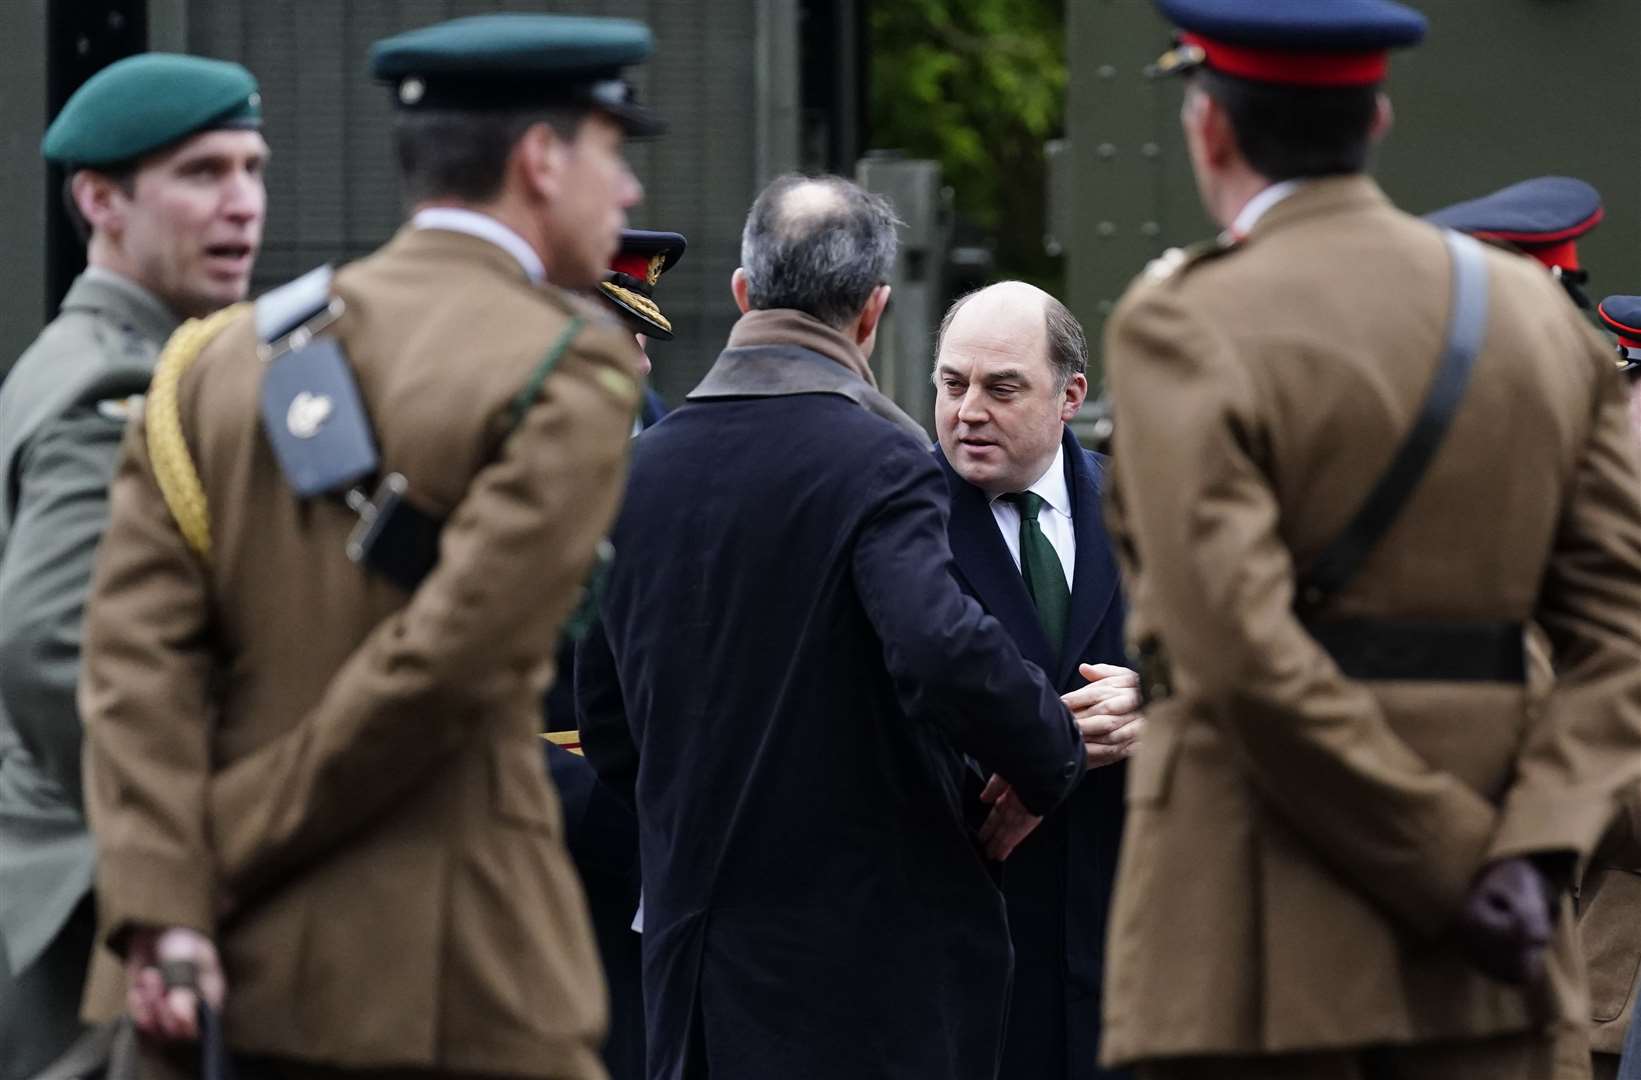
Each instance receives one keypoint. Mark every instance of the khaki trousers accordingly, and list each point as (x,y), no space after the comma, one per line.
(1515,1057)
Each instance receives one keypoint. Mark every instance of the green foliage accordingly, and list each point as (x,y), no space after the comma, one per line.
(978,85)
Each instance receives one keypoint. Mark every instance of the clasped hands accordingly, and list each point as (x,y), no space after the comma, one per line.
(1107,712)
(167,973)
(1505,924)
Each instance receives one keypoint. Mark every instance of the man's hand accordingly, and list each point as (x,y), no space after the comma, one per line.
(1008,823)
(1107,712)
(1505,923)
(166,973)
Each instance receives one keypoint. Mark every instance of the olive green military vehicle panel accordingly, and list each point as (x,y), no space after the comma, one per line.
(1502,90)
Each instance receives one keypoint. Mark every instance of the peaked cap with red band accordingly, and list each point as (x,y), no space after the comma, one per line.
(1622,315)
(639,262)
(1544,217)
(1300,43)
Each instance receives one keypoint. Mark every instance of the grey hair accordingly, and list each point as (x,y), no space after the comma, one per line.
(1067,344)
(823,257)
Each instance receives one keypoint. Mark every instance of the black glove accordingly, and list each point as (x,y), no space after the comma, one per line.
(1506,921)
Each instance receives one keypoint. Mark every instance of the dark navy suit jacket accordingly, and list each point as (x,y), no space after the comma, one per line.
(1058,881)
(602,834)
(786,678)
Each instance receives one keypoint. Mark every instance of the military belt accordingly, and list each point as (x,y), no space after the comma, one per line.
(1423,651)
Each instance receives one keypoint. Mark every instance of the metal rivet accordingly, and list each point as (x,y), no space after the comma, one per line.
(1106,228)
(1106,150)
(1150,149)
(1106,71)
(1150,228)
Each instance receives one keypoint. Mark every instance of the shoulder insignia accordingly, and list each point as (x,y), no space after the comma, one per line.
(1174,260)
(121,409)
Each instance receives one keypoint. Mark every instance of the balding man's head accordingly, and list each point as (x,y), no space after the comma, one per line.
(820,245)
(1009,374)
(1017,312)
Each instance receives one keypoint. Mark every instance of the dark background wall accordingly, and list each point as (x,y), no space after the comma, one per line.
(751,88)
(1502,90)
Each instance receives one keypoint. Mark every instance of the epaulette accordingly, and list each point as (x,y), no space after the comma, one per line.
(1175,261)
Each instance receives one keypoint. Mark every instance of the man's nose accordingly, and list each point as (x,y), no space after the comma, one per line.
(972,409)
(246,197)
(632,190)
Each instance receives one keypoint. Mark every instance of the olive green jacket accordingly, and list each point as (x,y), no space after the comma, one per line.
(62,415)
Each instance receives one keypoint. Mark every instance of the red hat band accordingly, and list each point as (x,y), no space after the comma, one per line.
(1284,66)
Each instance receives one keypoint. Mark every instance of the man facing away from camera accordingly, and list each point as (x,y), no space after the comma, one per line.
(1351,831)
(797,694)
(314,769)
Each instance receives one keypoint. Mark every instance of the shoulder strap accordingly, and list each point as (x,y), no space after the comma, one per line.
(281,310)
(532,387)
(1466,327)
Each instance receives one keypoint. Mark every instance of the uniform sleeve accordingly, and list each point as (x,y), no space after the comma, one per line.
(1216,583)
(1583,747)
(144,696)
(953,664)
(601,715)
(45,573)
(512,559)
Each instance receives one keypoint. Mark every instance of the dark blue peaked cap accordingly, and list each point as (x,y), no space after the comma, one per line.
(1622,315)
(1298,43)
(1547,211)
(1543,217)
(1300,25)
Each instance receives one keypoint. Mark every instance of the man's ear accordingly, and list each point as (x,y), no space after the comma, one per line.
(100,200)
(1218,137)
(738,289)
(1076,392)
(1383,117)
(871,314)
(540,159)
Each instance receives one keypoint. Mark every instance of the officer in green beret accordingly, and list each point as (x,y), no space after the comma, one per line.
(164,162)
(347,533)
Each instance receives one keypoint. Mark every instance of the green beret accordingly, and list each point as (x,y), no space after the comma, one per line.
(511,61)
(142,103)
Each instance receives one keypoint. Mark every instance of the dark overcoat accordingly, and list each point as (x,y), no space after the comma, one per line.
(788,678)
(1057,883)
(602,835)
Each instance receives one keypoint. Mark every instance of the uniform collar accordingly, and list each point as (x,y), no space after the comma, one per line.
(1258,206)
(1051,486)
(462,220)
(100,289)
(1321,197)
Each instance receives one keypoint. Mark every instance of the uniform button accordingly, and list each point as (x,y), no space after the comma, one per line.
(1070,770)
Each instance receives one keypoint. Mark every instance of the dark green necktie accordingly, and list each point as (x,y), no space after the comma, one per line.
(1040,565)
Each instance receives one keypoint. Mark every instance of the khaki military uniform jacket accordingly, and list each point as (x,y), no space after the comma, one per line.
(1297,843)
(341,782)
(1609,923)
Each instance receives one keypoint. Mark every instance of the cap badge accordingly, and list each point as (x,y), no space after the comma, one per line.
(307,414)
(411,90)
(653,273)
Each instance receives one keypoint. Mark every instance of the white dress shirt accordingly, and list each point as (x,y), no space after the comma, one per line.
(485,227)
(1055,517)
(1258,206)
